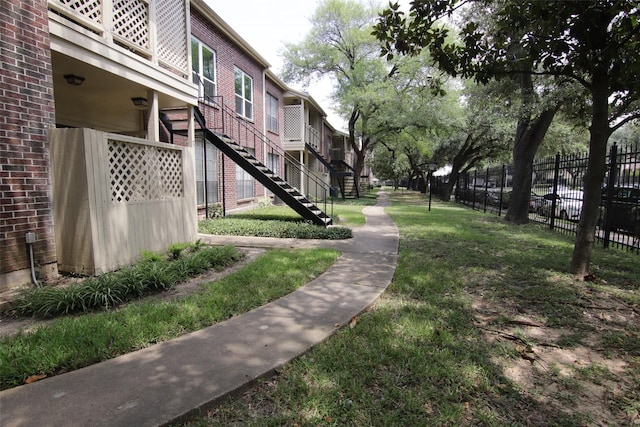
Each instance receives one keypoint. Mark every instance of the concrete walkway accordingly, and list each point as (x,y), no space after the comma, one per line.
(168,381)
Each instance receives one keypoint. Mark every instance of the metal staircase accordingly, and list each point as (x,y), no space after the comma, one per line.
(337,169)
(244,145)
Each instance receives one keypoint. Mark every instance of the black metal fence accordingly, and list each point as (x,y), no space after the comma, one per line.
(557,193)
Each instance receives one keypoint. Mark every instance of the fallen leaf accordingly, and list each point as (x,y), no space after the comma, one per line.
(353,322)
(34,378)
(328,419)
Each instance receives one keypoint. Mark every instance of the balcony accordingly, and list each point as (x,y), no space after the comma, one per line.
(153,30)
(296,132)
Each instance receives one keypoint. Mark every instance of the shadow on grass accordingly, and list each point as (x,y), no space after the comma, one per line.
(420,357)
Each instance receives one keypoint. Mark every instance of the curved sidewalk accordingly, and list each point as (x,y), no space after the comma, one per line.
(167,381)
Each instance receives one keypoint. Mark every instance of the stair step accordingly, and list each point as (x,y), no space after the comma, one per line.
(263,173)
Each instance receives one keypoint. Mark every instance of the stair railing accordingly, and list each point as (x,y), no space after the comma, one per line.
(222,119)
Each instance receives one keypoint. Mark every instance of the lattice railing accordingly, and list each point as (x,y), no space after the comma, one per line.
(142,173)
(293,123)
(128,23)
(88,13)
(172,21)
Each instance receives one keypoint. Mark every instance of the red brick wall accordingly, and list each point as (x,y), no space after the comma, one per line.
(229,56)
(26,99)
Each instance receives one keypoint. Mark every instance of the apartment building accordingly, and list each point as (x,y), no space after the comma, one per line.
(124,121)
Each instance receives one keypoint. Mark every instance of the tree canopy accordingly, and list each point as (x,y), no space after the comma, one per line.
(594,44)
(379,100)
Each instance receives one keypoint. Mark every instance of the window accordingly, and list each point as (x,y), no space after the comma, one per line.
(272,113)
(273,162)
(244,181)
(212,173)
(244,94)
(203,64)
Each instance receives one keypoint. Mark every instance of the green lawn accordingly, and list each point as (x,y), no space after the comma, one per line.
(474,302)
(71,342)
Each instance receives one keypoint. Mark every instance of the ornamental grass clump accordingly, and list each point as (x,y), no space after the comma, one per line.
(151,274)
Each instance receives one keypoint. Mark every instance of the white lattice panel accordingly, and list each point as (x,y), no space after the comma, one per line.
(172,33)
(142,173)
(293,123)
(131,22)
(88,9)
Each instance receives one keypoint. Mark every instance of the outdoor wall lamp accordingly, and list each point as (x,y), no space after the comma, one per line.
(73,80)
(139,102)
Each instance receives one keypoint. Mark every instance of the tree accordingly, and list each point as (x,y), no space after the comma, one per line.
(412,115)
(482,134)
(387,163)
(595,44)
(340,45)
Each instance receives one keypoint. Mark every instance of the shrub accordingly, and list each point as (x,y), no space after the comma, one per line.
(272,228)
(176,249)
(215,210)
(152,273)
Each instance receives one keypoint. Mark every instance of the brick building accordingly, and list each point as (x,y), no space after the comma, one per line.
(122,120)
(26,89)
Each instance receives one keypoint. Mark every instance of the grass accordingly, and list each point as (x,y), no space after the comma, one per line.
(419,357)
(284,222)
(72,342)
(349,211)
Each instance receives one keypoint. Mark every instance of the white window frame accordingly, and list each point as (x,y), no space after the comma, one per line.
(273,163)
(245,187)
(273,113)
(198,67)
(212,173)
(244,97)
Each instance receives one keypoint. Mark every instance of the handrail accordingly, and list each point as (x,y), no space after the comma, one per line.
(221,118)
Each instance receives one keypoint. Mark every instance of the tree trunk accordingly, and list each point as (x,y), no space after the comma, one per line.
(448,188)
(360,152)
(458,162)
(599,135)
(524,152)
(453,179)
(528,138)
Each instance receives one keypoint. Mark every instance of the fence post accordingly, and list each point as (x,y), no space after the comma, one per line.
(473,189)
(486,190)
(611,182)
(502,179)
(556,173)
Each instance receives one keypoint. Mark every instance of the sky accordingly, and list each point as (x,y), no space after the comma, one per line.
(266,25)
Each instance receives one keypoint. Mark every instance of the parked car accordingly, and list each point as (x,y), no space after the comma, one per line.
(624,211)
(568,204)
(535,203)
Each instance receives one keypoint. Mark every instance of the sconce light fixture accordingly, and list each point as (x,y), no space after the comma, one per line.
(139,102)
(73,80)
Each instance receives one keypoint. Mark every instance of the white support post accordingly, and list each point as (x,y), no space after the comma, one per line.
(191,129)
(153,31)
(302,172)
(153,116)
